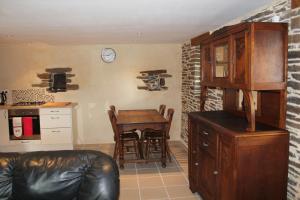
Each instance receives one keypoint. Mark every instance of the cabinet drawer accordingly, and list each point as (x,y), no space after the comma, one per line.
(208,135)
(208,140)
(24,142)
(56,136)
(55,111)
(56,121)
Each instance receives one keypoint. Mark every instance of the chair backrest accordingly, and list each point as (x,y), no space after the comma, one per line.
(170,114)
(113,121)
(113,108)
(162,109)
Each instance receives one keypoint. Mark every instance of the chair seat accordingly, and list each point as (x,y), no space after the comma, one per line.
(129,136)
(153,135)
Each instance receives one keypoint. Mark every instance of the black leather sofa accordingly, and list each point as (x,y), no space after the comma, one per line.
(58,175)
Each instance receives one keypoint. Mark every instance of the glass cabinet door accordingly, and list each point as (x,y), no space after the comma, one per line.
(221,66)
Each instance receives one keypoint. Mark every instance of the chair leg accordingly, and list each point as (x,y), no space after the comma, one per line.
(136,149)
(140,146)
(116,150)
(168,151)
(147,149)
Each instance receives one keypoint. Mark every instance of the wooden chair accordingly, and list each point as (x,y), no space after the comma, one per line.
(153,138)
(162,109)
(113,108)
(126,137)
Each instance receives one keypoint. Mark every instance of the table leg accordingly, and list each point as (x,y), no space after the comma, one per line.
(163,151)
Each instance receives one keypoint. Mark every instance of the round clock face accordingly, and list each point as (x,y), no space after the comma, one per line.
(108,55)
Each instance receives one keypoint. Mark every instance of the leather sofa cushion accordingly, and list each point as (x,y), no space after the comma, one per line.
(59,175)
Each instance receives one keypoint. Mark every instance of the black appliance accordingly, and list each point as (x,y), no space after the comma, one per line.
(58,82)
(3,97)
(34,113)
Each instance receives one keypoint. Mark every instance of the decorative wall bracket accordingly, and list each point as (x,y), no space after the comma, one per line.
(154,80)
(57,80)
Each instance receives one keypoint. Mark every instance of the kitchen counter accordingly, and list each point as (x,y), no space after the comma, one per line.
(46,105)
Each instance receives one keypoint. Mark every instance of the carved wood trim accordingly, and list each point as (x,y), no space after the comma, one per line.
(250,109)
(295,4)
(198,39)
(203,97)
(282,111)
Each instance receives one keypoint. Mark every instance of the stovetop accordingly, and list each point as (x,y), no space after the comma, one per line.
(36,103)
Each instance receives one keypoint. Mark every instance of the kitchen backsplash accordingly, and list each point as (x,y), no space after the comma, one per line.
(31,95)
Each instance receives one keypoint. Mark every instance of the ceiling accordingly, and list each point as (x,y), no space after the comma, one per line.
(115,21)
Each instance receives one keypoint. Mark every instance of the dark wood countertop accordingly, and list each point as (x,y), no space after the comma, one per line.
(231,122)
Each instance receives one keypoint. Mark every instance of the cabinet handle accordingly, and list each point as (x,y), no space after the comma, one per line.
(205,133)
(216,172)
(4,115)
(204,144)
(194,151)
(24,142)
(54,117)
(196,164)
(55,131)
(54,111)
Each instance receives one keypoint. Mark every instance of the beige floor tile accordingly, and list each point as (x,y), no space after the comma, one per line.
(169,164)
(148,172)
(170,171)
(147,182)
(128,173)
(153,193)
(179,191)
(129,194)
(175,180)
(128,183)
(149,176)
(195,197)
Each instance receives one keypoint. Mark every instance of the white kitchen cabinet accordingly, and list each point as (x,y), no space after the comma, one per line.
(56,136)
(4,128)
(55,121)
(56,125)
(56,132)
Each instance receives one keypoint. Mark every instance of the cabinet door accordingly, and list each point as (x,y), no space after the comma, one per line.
(221,61)
(240,59)
(193,156)
(206,63)
(4,132)
(227,186)
(207,175)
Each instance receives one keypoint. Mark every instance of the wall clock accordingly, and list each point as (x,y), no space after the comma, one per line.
(108,55)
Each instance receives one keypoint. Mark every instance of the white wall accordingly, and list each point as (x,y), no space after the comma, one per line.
(100,84)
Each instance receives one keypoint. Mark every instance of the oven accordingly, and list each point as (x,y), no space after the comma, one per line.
(24,124)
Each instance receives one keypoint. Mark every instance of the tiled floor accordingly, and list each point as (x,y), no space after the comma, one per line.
(151,181)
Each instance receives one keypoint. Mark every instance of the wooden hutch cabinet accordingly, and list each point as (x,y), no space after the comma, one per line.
(241,152)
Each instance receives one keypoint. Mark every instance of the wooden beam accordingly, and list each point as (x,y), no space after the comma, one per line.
(198,39)
(295,4)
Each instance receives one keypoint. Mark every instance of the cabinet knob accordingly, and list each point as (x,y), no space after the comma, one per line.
(216,172)
(194,151)
(196,164)
(204,144)
(205,133)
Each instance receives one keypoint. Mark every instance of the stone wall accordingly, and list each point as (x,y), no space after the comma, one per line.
(190,84)
(292,17)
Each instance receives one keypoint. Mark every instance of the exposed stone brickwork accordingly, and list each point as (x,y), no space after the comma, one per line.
(292,17)
(190,84)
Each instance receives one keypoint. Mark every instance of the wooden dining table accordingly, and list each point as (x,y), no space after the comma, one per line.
(141,119)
